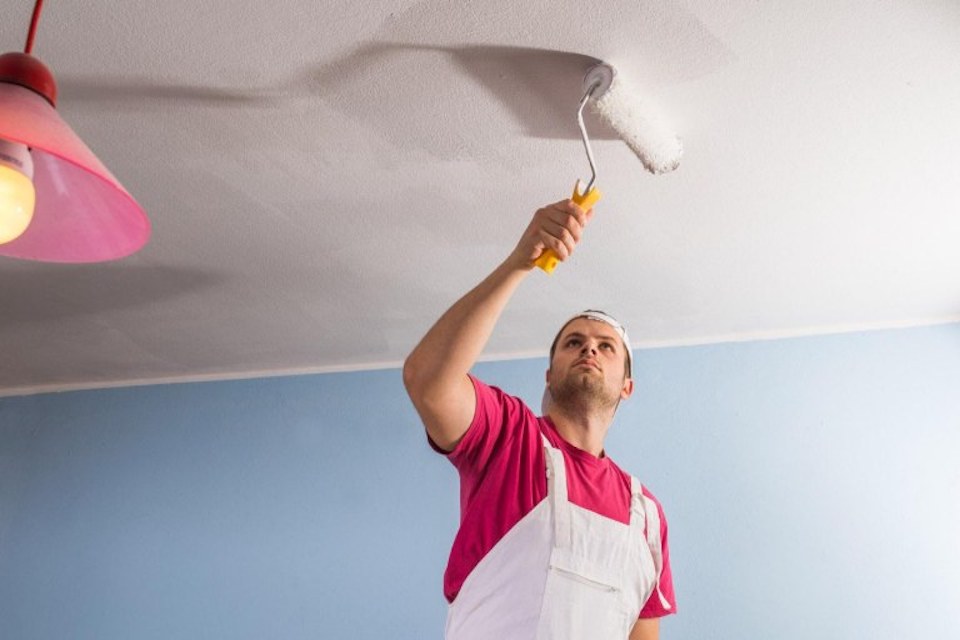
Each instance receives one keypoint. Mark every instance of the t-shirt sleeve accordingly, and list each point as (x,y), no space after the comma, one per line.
(489,431)
(662,602)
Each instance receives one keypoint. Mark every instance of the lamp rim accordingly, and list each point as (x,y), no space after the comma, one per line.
(27,118)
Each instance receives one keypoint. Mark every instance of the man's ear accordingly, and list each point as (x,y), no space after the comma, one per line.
(547,398)
(627,390)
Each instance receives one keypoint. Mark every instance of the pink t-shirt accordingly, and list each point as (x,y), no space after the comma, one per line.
(502,478)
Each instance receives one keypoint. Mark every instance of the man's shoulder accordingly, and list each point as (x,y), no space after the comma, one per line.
(493,399)
(499,419)
(637,483)
(488,388)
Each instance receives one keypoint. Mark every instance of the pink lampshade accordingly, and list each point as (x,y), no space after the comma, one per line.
(82,214)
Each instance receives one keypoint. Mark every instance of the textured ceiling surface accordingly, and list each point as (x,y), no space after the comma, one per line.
(325,178)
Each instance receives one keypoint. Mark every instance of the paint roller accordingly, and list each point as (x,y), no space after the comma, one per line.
(617,104)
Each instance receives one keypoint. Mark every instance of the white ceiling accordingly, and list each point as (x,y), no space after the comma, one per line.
(325,178)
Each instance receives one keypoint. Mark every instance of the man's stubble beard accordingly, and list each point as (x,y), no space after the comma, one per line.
(583,392)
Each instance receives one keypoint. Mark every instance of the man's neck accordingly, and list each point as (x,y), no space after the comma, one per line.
(585,431)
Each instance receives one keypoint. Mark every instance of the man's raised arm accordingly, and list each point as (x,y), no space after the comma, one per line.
(435,373)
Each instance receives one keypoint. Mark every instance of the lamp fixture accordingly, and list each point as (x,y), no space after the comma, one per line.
(58,202)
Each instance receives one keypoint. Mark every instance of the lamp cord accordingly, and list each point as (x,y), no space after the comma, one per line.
(33,26)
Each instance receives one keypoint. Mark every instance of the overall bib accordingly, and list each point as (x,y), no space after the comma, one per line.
(563,572)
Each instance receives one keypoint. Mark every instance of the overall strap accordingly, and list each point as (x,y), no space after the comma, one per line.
(557,493)
(651,515)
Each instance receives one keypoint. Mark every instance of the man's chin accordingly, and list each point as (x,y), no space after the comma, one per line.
(580,387)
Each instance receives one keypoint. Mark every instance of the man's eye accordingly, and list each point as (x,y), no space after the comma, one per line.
(607,346)
(573,342)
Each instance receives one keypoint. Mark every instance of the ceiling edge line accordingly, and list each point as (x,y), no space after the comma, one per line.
(638,345)
(791,334)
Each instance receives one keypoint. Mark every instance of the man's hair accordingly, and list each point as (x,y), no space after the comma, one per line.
(627,368)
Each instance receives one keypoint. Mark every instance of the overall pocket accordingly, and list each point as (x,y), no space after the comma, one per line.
(582,603)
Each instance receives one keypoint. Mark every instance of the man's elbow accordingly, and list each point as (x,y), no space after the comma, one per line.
(412,376)
(419,382)
(446,405)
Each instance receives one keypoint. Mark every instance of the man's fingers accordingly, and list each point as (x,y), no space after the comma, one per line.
(561,227)
(557,227)
(568,216)
(570,208)
(557,234)
(561,249)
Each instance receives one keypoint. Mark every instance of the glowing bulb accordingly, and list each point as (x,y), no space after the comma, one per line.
(17,196)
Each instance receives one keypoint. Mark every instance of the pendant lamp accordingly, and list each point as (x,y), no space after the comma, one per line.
(80,212)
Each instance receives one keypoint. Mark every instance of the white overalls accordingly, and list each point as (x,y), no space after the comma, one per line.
(563,572)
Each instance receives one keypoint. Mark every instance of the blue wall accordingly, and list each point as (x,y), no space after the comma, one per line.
(812,488)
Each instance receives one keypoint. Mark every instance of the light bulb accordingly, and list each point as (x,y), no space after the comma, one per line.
(17,195)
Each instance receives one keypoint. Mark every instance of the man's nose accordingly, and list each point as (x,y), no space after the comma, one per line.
(588,348)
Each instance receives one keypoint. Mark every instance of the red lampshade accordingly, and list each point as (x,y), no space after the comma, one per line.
(82,213)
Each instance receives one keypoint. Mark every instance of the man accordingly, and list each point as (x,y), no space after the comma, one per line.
(555,541)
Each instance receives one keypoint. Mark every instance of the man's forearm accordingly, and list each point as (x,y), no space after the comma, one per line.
(451,347)
(435,372)
(454,343)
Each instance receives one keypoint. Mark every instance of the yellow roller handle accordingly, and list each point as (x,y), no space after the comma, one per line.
(548,260)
